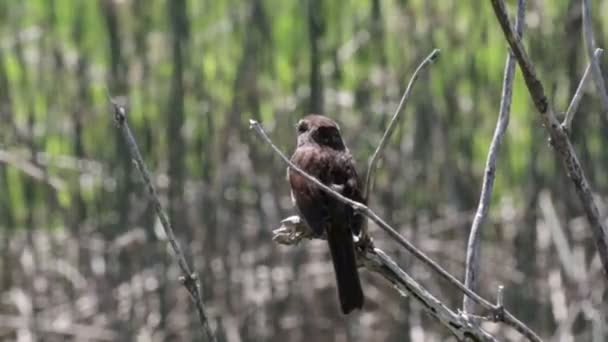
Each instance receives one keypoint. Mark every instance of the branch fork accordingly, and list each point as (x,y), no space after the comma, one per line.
(294,230)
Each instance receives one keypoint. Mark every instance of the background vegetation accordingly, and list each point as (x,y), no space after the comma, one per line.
(81,253)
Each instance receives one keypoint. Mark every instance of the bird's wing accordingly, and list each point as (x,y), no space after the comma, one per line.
(346,177)
(310,200)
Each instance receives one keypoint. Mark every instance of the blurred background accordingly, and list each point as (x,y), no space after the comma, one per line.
(82,255)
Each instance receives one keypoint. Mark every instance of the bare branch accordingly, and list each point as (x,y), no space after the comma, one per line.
(373,162)
(558,136)
(293,230)
(473,245)
(590,47)
(188,278)
(508,317)
(578,94)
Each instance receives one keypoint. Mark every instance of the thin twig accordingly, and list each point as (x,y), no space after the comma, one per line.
(500,296)
(558,136)
(508,318)
(578,94)
(188,278)
(485,198)
(590,47)
(373,161)
(293,230)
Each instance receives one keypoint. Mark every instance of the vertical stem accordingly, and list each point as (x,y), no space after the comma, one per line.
(473,245)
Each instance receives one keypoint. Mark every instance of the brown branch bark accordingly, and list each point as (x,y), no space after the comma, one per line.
(559,139)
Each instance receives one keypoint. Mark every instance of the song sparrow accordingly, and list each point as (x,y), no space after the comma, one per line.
(321,153)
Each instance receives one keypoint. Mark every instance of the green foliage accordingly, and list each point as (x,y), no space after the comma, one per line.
(245,59)
(462,88)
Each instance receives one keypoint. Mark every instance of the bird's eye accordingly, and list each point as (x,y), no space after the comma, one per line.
(302,127)
(332,139)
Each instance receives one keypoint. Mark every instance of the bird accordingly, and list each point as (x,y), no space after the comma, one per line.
(321,153)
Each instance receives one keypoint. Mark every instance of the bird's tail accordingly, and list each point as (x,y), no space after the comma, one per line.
(345,266)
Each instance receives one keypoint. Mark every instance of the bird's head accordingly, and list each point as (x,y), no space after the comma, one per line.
(320,130)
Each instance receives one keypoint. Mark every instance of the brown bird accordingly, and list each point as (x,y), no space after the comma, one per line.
(322,154)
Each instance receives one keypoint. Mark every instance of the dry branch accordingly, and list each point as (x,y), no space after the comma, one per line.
(188,278)
(559,139)
(600,85)
(373,162)
(578,94)
(293,230)
(473,245)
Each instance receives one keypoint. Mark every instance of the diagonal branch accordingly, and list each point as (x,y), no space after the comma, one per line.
(505,316)
(590,47)
(473,246)
(293,230)
(578,94)
(189,279)
(558,136)
(373,162)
